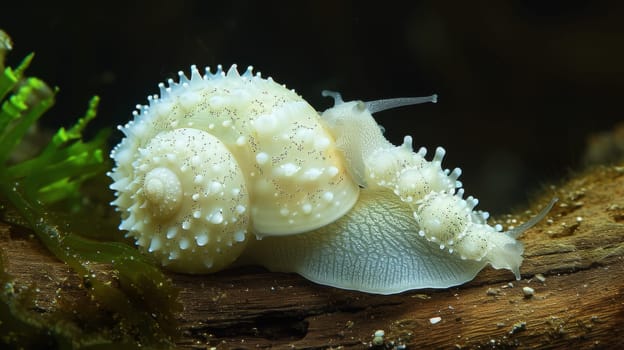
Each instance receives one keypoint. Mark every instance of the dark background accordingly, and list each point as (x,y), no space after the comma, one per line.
(521,83)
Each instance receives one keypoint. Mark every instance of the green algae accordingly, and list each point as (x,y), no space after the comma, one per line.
(138,309)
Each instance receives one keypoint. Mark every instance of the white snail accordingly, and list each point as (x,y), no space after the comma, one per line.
(225,166)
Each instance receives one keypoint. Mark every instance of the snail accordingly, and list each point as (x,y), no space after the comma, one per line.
(223,168)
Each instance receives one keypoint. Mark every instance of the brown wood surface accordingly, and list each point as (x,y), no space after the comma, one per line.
(579,250)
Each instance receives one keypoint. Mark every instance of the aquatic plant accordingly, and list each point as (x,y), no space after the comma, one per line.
(42,190)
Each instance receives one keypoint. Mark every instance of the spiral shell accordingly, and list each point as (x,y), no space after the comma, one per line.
(218,156)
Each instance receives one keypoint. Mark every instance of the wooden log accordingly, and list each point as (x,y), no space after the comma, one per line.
(574,267)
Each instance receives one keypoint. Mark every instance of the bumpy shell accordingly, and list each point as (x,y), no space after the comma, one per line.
(220,156)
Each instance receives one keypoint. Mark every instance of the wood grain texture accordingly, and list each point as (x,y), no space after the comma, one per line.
(579,250)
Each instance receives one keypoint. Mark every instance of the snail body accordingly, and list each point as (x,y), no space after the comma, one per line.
(226,166)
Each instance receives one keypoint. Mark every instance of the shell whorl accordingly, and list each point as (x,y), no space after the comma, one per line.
(187,201)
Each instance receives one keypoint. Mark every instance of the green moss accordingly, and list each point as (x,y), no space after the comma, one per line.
(138,309)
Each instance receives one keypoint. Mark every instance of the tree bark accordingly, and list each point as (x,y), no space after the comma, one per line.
(574,262)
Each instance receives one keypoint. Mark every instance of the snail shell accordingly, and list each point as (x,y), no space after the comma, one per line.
(219,160)
(216,157)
